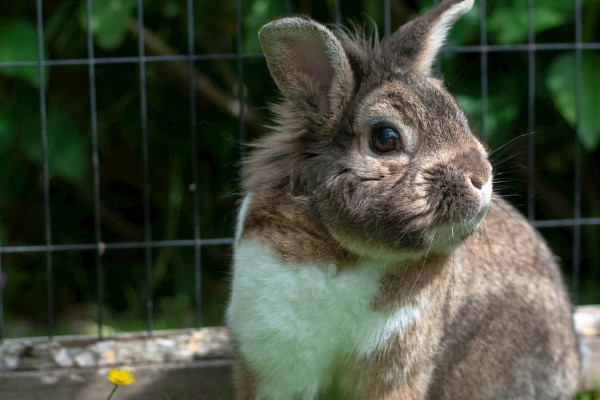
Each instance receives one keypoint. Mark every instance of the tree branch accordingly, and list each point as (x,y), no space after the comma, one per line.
(206,90)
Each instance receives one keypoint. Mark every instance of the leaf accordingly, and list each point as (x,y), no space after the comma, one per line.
(171,10)
(7,138)
(18,42)
(66,147)
(501,112)
(6,135)
(261,12)
(560,81)
(110,19)
(509,20)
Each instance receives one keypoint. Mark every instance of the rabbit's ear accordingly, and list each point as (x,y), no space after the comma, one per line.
(418,42)
(307,63)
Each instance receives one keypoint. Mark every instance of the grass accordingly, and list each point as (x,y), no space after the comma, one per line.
(593,395)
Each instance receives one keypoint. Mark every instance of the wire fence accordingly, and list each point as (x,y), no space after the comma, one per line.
(100,246)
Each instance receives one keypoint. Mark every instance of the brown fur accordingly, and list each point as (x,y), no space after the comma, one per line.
(293,233)
(498,320)
(388,376)
(508,301)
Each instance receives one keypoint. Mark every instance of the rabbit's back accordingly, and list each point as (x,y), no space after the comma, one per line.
(509,309)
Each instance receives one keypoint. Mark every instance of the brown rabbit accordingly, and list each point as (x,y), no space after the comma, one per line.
(372,260)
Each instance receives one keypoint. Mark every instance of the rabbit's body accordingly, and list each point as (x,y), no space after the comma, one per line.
(322,316)
(370,261)
(440,329)
(318,327)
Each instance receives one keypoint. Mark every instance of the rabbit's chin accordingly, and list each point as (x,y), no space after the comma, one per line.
(446,237)
(439,238)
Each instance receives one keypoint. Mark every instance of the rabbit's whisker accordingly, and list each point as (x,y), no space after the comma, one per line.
(510,143)
(453,253)
(422,265)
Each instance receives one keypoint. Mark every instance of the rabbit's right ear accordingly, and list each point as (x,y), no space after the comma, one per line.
(307,62)
(419,41)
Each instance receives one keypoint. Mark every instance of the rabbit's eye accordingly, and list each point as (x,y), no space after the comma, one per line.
(385,139)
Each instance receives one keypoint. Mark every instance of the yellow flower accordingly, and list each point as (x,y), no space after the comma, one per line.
(121,378)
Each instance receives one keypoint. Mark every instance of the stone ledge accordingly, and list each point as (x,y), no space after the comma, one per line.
(126,348)
(169,365)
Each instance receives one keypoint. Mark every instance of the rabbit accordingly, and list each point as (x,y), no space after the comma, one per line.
(372,259)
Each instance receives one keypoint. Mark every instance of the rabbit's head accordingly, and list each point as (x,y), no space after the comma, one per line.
(366,137)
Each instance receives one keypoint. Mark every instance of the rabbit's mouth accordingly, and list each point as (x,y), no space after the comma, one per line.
(461,206)
(458,217)
(458,194)
(448,236)
(456,210)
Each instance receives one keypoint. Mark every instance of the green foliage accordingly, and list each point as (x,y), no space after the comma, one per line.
(67,148)
(593,395)
(509,21)
(560,81)
(110,19)
(261,12)
(502,111)
(18,42)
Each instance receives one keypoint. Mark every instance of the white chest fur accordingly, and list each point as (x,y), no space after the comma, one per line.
(292,323)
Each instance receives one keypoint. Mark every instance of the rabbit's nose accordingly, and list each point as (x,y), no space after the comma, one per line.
(483,188)
(476,182)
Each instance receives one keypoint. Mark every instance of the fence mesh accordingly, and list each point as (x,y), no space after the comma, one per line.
(101,250)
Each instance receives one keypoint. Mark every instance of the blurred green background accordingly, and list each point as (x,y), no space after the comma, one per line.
(22,217)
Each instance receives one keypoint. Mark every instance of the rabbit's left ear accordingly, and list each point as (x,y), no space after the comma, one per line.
(418,42)
(307,62)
